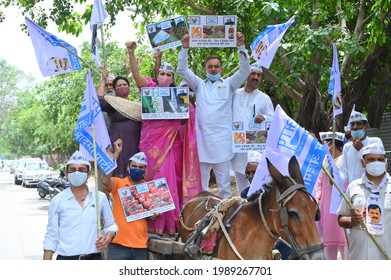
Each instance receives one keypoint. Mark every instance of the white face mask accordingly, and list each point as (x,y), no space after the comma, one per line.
(77,179)
(376,168)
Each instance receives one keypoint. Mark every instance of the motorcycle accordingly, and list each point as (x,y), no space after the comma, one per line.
(52,187)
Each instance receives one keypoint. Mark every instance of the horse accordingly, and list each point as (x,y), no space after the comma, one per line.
(251,227)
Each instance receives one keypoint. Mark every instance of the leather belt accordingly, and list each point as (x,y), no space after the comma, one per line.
(94,256)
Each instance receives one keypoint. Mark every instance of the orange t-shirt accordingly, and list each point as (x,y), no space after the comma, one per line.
(133,234)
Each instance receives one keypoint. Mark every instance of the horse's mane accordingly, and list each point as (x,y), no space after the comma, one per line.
(255,196)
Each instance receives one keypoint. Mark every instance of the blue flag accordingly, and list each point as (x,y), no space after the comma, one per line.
(285,139)
(335,84)
(265,45)
(91,113)
(52,57)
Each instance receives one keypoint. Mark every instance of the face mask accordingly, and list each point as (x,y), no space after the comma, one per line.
(77,179)
(376,168)
(136,174)
(212,77)
(122,91)
(164,81)
(358,134)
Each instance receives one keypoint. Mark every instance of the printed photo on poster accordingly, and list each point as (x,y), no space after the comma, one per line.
(213,31)
(250,136)
(167,34)
(165,103)
(143,200)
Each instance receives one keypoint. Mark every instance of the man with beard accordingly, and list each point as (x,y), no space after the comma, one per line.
(351,168)
(249,105)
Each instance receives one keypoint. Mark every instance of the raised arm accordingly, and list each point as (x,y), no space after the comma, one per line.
(241,75)
(107,180)
(101,89)
(158,63)
(140,80)
(183,66)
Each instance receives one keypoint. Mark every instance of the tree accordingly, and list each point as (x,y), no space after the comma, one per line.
(299,75)
(12,80)
(43,119)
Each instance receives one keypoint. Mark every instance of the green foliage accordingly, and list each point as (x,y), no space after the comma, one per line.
(306,49)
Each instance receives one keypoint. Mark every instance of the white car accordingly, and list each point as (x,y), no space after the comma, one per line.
(18,172)
(33,171)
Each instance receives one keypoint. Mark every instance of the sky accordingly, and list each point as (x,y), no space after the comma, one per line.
(16,47)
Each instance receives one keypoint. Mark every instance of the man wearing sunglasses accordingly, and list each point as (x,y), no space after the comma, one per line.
(72,230)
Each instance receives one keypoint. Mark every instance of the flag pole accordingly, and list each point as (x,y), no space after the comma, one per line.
(351,206)
(85,62)
(334,128)
(103,45)
(96,183)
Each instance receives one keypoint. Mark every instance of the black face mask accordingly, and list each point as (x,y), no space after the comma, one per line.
(348,136)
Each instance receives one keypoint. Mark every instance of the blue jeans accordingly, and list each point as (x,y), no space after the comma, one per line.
(119,252)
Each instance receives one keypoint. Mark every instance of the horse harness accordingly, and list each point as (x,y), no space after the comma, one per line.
(208,225)
(201,228)
(281,200)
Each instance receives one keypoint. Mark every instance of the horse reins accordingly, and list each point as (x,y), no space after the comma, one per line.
(281,200)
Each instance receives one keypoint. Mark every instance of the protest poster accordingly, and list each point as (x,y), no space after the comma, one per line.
(143,200)
(167,34)
(213,31)
(165,103)
(249,136)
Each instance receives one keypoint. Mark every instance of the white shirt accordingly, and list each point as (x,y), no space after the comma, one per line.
(214,108)
(71,229)
(361,245)
(245,106)
(351,168)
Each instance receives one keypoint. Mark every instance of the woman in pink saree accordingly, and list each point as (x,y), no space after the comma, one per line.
(171,150)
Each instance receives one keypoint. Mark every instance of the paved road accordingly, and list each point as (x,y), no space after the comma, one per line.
(23,218)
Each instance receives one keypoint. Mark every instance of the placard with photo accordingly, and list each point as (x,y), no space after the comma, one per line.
(165,103)
(249,137)
(212,31)
(167,34)
(143,200)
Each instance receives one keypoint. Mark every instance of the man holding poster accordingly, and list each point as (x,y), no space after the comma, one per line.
(130,243)
(214,112)
(250,106)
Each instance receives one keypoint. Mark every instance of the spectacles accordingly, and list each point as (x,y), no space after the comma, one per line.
(250,173)
(357,123)
(82,170)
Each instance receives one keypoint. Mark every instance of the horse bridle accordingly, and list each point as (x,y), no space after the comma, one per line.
(281,200)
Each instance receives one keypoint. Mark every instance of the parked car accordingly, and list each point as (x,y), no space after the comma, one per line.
(35,170)
(13,166)
(18,173)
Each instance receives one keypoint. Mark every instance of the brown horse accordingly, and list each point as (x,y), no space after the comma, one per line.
(284,210)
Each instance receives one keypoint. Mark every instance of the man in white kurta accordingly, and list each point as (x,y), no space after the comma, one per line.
(351,168)
(214,112)
(361,245)
(249,103)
